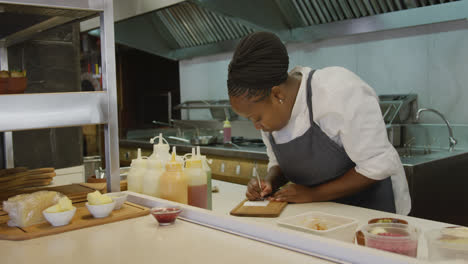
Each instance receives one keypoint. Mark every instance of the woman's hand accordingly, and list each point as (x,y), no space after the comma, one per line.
(293,193)
(255,193)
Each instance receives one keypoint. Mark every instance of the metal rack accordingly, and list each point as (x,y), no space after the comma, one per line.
(219,109)
(34,111)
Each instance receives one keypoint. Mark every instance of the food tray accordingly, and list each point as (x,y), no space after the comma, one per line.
(338,227)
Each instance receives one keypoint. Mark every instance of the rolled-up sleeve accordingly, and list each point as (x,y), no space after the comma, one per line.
(354,110)
(271,155)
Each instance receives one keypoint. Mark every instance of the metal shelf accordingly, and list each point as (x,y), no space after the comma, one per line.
(35,111)
(45,17)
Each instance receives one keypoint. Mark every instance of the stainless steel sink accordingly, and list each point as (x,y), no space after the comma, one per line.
(437,177)
(418,156)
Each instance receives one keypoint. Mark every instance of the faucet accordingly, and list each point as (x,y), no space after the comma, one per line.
(452,140)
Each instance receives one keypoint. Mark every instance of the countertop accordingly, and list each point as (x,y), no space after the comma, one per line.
(141,240)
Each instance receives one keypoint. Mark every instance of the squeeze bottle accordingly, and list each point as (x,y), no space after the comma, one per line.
(154,170)
(227,131)
(173,183)
(207,169)
(197,182)
(135,175)
(161,150)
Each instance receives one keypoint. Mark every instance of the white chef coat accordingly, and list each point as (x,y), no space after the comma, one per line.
(347,110)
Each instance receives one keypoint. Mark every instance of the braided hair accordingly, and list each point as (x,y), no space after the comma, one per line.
(260,62)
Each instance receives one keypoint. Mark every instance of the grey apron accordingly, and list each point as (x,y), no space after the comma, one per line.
(313,159)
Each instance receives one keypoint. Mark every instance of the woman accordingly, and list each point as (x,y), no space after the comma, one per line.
(323,130)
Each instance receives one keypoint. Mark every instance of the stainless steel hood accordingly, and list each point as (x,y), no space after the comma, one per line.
(202,27)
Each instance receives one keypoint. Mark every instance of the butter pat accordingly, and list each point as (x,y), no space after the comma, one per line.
(97,198)
(26,209)
(378,230)
(63,205)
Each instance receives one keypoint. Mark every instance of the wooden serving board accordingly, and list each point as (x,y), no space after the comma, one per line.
(273,209)
(81,219)
(74,192)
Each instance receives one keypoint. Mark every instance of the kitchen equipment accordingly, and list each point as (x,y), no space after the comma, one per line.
(91,165)
(397,109)
(197,140)
(322,224)
(273,209)
(219,109)
(82,219)
(203,140)
(449,243)
(396,238)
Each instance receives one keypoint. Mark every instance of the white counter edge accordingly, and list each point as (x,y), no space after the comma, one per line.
(321,247)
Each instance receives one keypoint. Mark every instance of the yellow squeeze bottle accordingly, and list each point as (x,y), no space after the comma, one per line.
(173,183)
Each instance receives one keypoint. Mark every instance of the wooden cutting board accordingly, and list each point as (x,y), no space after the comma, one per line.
(81,219)
(273,209)
(8,174)
(27,181)
(4,172)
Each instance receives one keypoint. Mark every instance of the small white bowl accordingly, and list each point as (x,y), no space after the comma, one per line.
(100,210)
(119,198)
(60,218)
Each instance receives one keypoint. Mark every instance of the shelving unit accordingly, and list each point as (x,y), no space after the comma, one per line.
(35,111)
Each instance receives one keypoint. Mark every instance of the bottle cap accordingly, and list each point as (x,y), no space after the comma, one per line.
(173,164)
(139,161)
(194,161)
(160,150)
(227,123)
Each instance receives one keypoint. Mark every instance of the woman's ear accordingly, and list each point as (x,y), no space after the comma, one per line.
(277,95)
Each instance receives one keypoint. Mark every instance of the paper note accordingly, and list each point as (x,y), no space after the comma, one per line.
(257,203)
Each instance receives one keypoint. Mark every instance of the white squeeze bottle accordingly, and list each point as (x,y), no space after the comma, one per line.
(154,170)
(173,182)
(161,150)
(207,169)
(135,175)
(197,182)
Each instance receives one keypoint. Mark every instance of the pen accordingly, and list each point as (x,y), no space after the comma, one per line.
(258,178)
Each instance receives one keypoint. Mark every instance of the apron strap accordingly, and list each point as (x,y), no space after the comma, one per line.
(309,104)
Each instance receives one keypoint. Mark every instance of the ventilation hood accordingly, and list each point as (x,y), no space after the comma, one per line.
(187,29)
